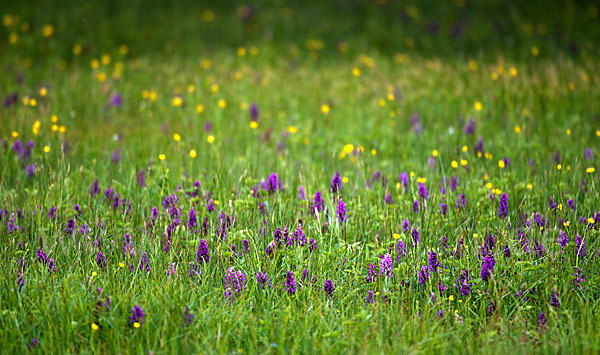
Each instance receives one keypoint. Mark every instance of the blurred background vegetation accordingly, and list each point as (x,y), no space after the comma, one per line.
(430,28)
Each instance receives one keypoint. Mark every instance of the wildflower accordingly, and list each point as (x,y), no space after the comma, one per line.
(115,157)
(137,316)
(415,122)
(101,304)
(463,282)
(70,228)
(388,199)
(441,286)
(20,281)
(274,183)
(580,246)
(192,222)
(48,31)
(563,240)
(386,265)
(94,188)
(542,321)
(423,192)
(210,205)
(443,243)
(578,279)
(539,248)
(434,263)
(416,236)
(403,178)
(328,288)
(188,317)
(400,249)
(299,235)
(234,282)
(461,202)
(431,163)
(301,193)
(253,112)
(116,100)
(490,243)
(51,265)
(443,208)
(194,271)
(336,183)
(101,260)
(423,275)
(370,297)
(290,283)
(405,226)
(554,299)
(470,127)
(372,273)
(312,245)
(36,127)
(262,279)
(341,212)
(30,170)
(23,152)
(203,253)
(487,267)
(479,147)
(177,101)
(140,178)
(503,206)
(416,206)
(12,224)
(10,100)
(551,204)
(145,263)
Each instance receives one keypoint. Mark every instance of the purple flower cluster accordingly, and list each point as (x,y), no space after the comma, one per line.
(434,263)
(290,283)
(137,315)
(336,183)
(234,283)
(203,253)
(487,267)
(341,212)
(386,265)
(503,206)
(328,287)
(262,279)
(463,282)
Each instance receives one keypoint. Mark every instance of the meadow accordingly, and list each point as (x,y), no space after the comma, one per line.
(299,177)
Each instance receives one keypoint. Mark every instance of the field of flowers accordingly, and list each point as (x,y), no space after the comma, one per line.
(299,177)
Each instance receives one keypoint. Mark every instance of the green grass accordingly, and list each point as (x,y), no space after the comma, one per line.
(532,106)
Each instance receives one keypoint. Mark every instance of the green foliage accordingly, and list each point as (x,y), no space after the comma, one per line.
(338,87)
